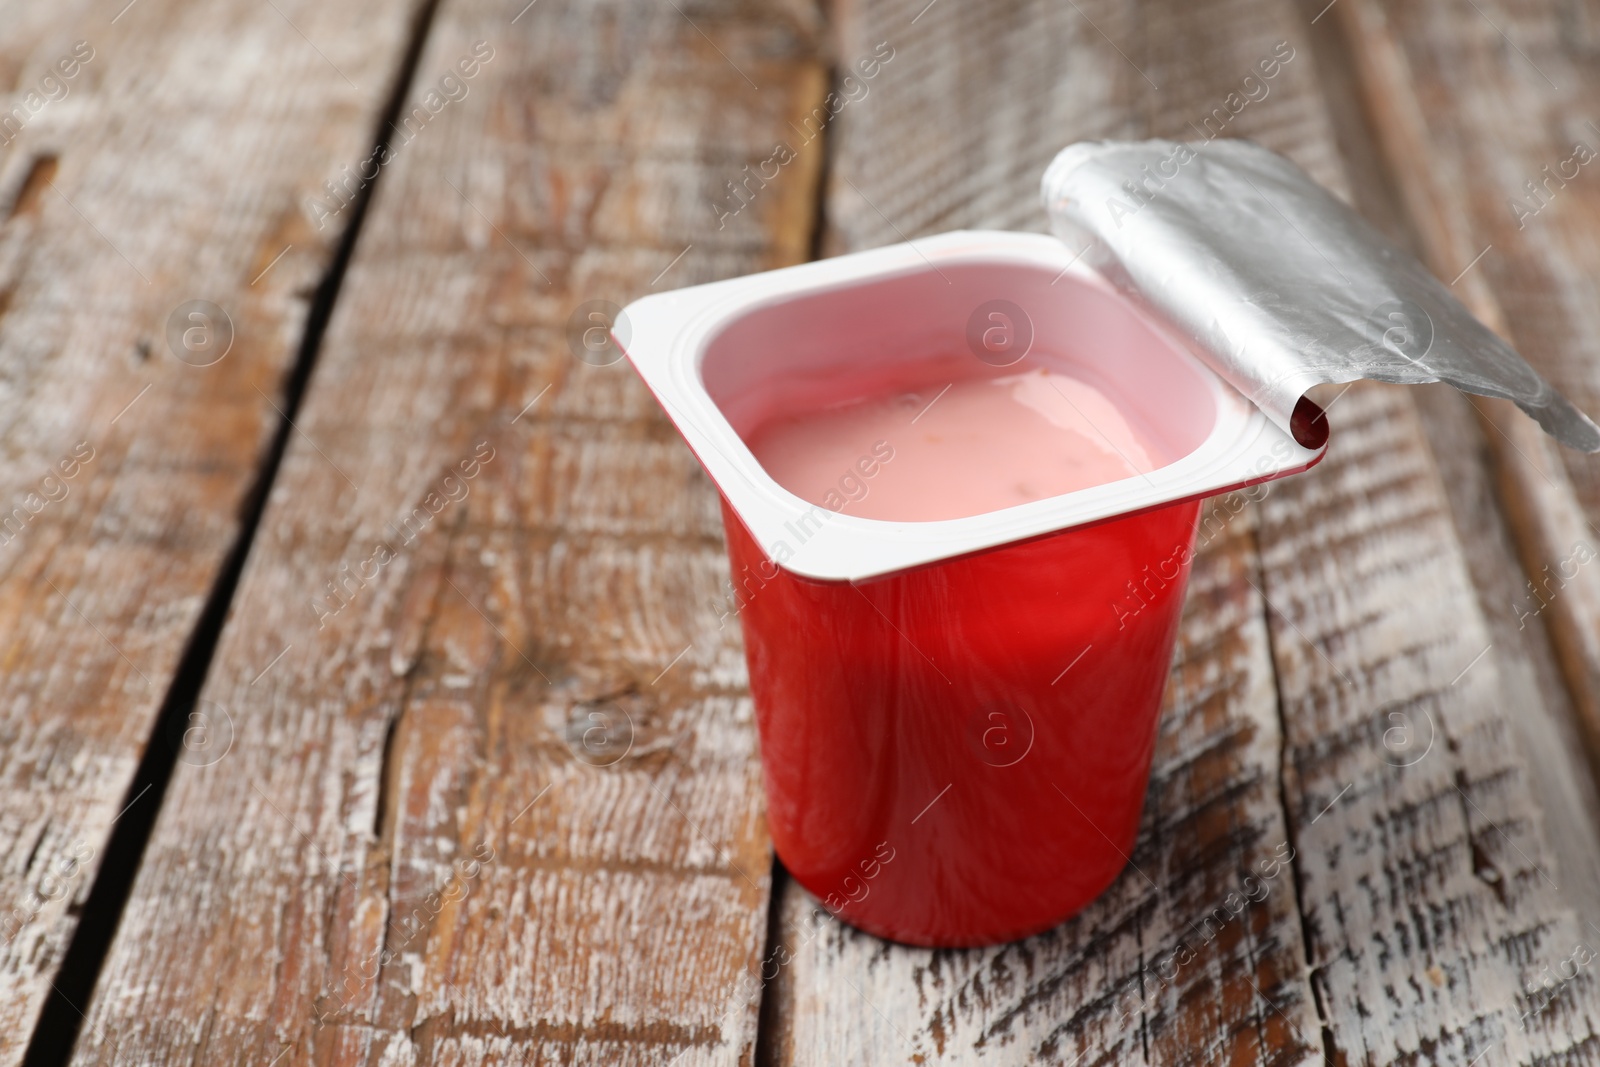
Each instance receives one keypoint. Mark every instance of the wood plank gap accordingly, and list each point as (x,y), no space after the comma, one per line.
(1291,825)
(819,208)
(771,1028)
(62,1015)
(40,171)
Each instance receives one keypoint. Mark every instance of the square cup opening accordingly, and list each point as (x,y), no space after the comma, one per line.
(924,321)
(1093,364)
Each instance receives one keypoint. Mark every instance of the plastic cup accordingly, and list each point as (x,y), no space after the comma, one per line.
(956,717)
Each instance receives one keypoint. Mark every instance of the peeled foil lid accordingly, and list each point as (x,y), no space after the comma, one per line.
(1278,285)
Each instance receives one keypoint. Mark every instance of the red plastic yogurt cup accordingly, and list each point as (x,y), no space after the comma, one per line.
(956,716)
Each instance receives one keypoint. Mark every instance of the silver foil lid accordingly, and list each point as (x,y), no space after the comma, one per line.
(1278,285)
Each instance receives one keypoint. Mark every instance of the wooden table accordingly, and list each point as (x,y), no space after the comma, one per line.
(307,602)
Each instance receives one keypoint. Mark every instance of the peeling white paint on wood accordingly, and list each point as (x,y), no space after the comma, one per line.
(431,721)
(171,170)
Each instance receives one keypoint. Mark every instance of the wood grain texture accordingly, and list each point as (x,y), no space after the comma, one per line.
(1435,913)
(1471,459)
(1426,891)
(1545,720)
(1431,897)
(498,800)
(1507,97)
(146,159)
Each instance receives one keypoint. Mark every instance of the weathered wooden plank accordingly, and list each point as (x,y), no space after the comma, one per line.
(148,158)
(1434,914)
(1465,450)
(498,799)
(1422,888)
(1545,719)
(1534,281)
(1429,893)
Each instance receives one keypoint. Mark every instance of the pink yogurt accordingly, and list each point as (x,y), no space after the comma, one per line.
(974,445)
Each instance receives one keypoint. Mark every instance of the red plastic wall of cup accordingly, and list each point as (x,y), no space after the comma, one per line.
(957,754)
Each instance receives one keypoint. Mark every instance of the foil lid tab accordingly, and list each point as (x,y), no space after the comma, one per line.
(1278,285)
